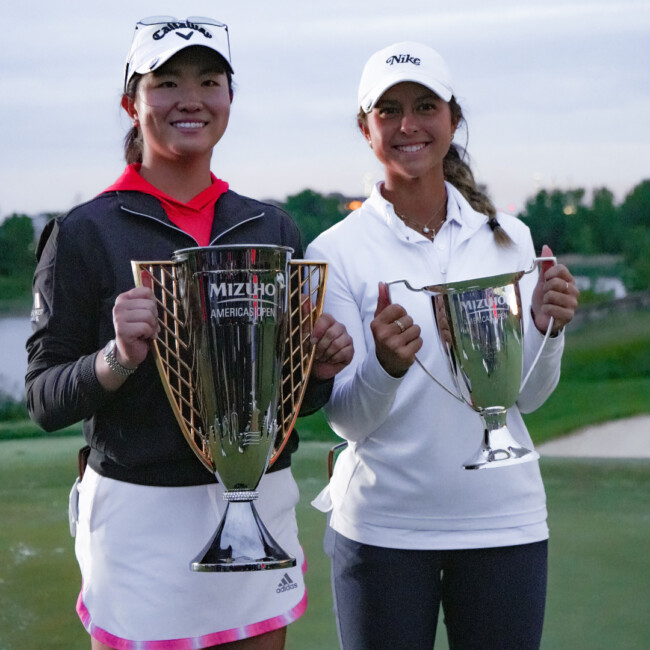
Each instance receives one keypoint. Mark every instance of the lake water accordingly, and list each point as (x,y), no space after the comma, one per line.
(13,356)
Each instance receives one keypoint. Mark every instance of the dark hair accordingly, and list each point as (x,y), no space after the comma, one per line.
(133,139)
(457,171)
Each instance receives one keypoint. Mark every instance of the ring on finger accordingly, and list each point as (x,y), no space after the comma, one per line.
(399,324)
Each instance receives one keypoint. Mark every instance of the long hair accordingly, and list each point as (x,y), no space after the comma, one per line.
(133,139)
(458,172)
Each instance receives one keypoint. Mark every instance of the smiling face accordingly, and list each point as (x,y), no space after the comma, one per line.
(410,130)
(182,108)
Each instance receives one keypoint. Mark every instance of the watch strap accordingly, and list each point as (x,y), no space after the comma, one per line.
(113,363)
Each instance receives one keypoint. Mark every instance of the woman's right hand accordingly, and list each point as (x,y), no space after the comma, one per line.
(135,318)
(397,338)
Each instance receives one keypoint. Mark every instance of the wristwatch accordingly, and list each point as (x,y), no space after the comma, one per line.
(113,363)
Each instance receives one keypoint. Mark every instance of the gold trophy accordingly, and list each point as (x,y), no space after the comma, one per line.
(234,356)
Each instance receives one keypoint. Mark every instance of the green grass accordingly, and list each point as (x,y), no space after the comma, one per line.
(615,347)
(38,577)
(605,376)
(24,429)
(577,404)
(599,565)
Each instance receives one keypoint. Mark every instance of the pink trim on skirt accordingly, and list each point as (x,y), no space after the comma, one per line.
(226,636)
(196,643)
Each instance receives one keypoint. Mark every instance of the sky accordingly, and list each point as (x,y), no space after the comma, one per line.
(556,93)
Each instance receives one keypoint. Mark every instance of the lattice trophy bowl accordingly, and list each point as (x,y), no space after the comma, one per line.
(234,355)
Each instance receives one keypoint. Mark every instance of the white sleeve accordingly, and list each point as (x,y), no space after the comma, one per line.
(363,392)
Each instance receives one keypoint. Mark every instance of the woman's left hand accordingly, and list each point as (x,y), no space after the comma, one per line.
(555,295)
(334,347)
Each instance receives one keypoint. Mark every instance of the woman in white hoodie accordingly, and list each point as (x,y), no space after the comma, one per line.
(410,529)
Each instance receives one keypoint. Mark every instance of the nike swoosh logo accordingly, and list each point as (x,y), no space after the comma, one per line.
(187,38)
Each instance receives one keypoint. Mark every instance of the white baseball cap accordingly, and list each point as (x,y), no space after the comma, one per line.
(158,38)
(406,61)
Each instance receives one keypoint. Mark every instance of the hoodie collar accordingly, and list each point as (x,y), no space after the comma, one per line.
(230,211)
(459,214)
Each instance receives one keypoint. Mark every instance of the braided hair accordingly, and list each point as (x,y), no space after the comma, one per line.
(457,172)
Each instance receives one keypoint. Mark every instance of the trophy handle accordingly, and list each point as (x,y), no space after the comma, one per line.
(536,262)
(417,360)
(171,352)
(307,282)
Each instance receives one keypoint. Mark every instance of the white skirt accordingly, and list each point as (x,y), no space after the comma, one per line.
(134,544)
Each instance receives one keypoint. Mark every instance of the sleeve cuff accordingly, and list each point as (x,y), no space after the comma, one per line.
(376,378)
(93,391)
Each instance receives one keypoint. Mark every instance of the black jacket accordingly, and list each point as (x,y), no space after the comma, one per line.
(84,263)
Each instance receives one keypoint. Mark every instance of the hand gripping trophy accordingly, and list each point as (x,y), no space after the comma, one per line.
(234,355)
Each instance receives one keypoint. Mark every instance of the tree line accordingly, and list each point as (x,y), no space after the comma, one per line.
(568,224)
(563,219)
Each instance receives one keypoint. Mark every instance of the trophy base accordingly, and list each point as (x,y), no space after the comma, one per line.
(242,543)
(499,448)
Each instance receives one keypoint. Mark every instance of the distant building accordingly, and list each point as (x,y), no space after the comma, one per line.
(613,285)
(603,284)
(601,270)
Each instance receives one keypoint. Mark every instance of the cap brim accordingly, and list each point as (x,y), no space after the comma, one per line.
(162,58)
(368,102)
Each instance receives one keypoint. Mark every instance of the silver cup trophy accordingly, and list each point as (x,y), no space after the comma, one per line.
(480,327)
(234,356)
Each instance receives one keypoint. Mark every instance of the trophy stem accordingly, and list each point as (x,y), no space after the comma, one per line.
(242,542)
(498,448)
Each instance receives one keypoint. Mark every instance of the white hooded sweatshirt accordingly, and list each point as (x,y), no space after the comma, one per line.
(400,482)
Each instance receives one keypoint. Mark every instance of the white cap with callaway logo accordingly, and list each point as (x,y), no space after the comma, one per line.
(406,61)
(158,38)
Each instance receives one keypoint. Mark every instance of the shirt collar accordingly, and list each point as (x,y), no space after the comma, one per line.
(131,180)
(457,215)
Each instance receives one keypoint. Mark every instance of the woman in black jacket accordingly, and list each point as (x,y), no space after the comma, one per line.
(146,504)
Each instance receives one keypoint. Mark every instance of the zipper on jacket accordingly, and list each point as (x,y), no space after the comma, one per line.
(241,223)
(177,229)
(162,223)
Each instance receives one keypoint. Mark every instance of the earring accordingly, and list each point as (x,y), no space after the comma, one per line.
(370,143)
